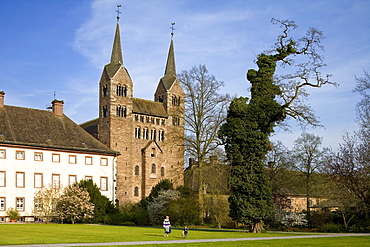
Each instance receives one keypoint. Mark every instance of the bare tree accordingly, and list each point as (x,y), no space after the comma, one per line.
(205,111)
(308,158)
(45,201)
(363,107)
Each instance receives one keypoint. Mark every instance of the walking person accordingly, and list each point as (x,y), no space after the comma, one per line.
(167,226)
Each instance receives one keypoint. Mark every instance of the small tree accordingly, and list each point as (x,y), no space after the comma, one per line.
(45,201)
(12,214)
(74,204)
(308,158)
(159,206)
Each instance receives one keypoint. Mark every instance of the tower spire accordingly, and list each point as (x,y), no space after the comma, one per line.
(116,57)
(170,66)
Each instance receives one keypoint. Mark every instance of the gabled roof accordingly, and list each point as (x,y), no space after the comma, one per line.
(40,128)
(148,107)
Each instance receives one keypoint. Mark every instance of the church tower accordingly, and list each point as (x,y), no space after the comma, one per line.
(147,134)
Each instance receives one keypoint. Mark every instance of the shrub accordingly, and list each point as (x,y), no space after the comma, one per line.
(331,228)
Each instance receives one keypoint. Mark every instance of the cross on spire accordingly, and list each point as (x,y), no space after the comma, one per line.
(118,12)
(172,29)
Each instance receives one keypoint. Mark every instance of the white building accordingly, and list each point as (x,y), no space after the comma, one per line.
(39,148)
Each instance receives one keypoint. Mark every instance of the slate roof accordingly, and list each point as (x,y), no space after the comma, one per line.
(148,107)
(40,128)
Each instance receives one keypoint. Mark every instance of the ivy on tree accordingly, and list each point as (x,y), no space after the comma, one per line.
(251,121)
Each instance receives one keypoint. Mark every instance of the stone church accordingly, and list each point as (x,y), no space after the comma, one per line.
(149,135)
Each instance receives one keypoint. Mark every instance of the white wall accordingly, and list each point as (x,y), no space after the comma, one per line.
(47,167)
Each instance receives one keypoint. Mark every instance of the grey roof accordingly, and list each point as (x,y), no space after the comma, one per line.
(32,127)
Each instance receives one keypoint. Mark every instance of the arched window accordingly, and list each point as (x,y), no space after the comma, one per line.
(105,90)
(162,171)
(136,191)
(121,90)
(121,111)
(153,168)
(145,134)
(153,134)
(136,170)
(161,135)
(105,111)
(137,132)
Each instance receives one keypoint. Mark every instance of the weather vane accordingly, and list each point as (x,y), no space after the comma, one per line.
(172,28)
(118,12)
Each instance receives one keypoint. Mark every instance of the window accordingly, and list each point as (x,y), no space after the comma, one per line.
(88,160)
(137,132)
(2,178)
(56,180)
(142,119)
(137,170)
(103,183)
(145,134)
(72,179)
(161,135)
(20,203)
(72,159)
(103,161)
(55,158)
(121,90)
(2,203)
(153,152)
(38,180)
(136,118)
(38,204)
(88,178)
(2,153)
(105,90)
(136,191)
(175,121)
(153,168)
(105,111)
(153,134)
(19,155)
(162,171)
(19,179)
(121,111)
(38,156)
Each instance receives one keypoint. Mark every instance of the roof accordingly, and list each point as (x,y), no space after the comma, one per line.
(148,107)
(32,127)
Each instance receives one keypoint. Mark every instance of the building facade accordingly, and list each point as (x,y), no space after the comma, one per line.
(40,148)
(149,135)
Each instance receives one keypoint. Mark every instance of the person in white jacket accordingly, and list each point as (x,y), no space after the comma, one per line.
(167,226)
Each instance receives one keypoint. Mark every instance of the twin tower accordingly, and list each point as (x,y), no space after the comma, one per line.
(149,135)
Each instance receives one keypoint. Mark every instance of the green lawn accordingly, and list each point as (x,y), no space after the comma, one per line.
(17,234)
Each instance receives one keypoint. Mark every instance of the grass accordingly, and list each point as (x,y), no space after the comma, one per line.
(18,234)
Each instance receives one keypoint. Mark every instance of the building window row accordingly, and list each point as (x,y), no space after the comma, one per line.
(55,158)
(20,180)
(144,134)
(150,120)
(153,170)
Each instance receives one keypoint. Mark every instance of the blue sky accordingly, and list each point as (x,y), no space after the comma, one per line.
(62,46)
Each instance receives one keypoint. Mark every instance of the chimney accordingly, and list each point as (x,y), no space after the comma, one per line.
(2,99)
(57,106)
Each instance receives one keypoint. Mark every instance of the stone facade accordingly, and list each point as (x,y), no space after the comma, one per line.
(147,134)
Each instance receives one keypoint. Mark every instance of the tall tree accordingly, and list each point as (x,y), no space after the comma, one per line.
(308,158)
(103,205)
(363,106)
(205,111)
(251,121)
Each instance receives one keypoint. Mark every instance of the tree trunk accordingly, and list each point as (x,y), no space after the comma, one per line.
(257,227)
